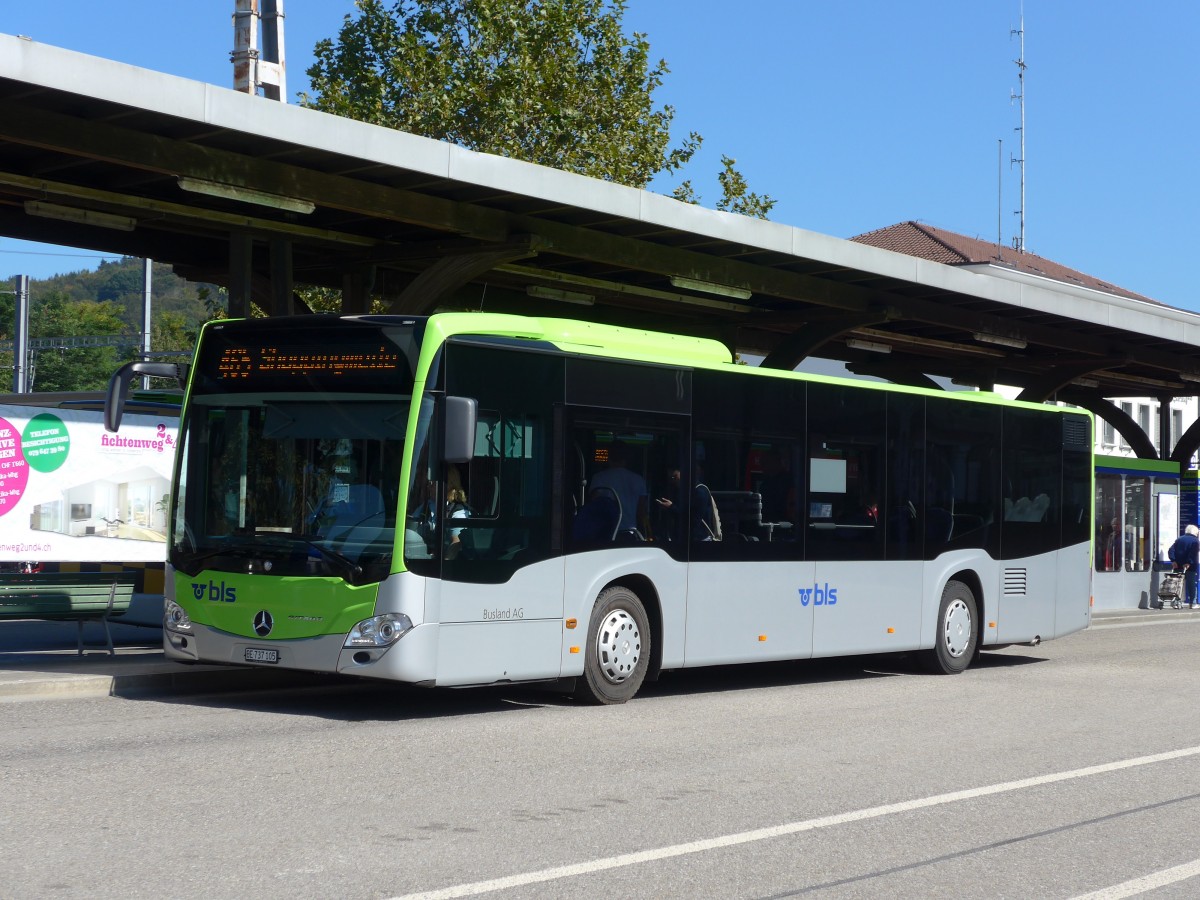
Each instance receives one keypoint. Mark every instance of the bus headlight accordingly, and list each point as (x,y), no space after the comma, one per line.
(380,631)
(175,619)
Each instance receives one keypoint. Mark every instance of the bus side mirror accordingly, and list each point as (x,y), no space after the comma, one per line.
(459,443)
(118,386)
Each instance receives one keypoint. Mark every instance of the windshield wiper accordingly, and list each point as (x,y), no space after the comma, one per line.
(353,569)
(351,566)
(231,549)
(254,544)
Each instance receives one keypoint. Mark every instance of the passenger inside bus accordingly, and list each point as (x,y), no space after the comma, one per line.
(668,508)
(629,488)
(456,508)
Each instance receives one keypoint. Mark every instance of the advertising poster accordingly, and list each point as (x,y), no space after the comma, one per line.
(72,492)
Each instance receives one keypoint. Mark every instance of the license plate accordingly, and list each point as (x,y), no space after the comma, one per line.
(254,654)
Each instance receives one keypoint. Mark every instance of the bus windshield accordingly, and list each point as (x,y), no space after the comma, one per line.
(291,452)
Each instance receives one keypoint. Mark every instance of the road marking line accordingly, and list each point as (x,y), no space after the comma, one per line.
(1145,883)
(763,834)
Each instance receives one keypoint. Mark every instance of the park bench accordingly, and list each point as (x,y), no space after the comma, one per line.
(67,597)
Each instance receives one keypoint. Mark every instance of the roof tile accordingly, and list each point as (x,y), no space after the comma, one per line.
(938,245)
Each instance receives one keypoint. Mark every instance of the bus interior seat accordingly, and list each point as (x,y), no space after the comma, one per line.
(738,509)
(599,519)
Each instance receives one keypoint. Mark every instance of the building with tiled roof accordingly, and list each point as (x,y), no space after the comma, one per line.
(938,245)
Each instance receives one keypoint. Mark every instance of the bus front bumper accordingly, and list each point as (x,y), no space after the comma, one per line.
(412,658)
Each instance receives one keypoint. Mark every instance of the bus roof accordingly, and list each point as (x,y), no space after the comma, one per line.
(620,342)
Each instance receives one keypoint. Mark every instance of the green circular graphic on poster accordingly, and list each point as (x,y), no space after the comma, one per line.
(46,442)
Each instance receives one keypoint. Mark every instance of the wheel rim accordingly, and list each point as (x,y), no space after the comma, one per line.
(958,628)
(618,646)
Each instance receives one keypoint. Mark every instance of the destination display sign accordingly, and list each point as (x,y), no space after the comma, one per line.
(303,362)
(332,355)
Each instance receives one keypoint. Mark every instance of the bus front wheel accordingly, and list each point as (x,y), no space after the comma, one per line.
(957,635)
(618,648)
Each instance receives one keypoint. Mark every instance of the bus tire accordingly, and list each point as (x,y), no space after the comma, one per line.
(957,633)
(618,648)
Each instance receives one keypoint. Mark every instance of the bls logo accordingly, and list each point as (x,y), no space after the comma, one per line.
(818,596)
(217,593)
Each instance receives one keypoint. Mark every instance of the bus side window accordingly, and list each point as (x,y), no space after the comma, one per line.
(846,442)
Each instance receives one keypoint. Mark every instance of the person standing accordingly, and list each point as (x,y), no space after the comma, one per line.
(1185,554)
(629,487)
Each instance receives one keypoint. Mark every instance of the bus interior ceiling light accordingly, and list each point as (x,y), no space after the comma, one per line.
(711,287)
(546,293)
(870,346)
(246,195)
(82,216)
(1001,340)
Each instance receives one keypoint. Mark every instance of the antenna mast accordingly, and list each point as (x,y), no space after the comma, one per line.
(259,66)
(1019,241)
(999,198)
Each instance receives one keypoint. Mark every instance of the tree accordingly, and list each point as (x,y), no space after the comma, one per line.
(736,194)
(170,332)
(118,281)
(555,82)
(8,317)
(85,369)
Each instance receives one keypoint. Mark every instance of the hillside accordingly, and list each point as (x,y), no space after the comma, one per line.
(120,283)
(104,301)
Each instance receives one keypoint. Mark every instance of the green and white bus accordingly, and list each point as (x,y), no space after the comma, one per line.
(419,499)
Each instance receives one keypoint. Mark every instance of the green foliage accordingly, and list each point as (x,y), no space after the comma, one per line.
(329,300)
(736,197)
(555,82)
(104,302)
(321,299)
(117,282)
(169,331)
(81,369)
(121,283)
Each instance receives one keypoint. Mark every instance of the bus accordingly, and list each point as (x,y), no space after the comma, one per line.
(422,499)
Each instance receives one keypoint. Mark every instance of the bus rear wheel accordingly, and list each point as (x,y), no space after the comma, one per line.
(618,648)
(957,636)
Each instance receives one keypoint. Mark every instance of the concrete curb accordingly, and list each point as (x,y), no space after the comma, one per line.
(53,687)
(1146,615)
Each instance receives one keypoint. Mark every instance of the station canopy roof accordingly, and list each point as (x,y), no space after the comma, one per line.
(258,195)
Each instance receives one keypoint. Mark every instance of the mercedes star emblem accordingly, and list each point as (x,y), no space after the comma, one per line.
(263,623)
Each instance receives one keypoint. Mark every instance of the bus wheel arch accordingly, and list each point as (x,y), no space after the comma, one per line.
(959,626)
(621,642)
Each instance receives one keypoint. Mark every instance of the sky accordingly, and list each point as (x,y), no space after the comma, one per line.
(853,115)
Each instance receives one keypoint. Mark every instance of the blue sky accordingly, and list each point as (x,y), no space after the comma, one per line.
(854,115)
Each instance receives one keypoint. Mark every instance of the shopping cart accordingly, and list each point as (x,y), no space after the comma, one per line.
(1170,591)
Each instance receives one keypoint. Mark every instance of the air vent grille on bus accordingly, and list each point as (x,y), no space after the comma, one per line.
(1077,433)
(1015,582)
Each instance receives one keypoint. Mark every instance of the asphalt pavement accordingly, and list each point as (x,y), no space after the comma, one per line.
(40,660)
